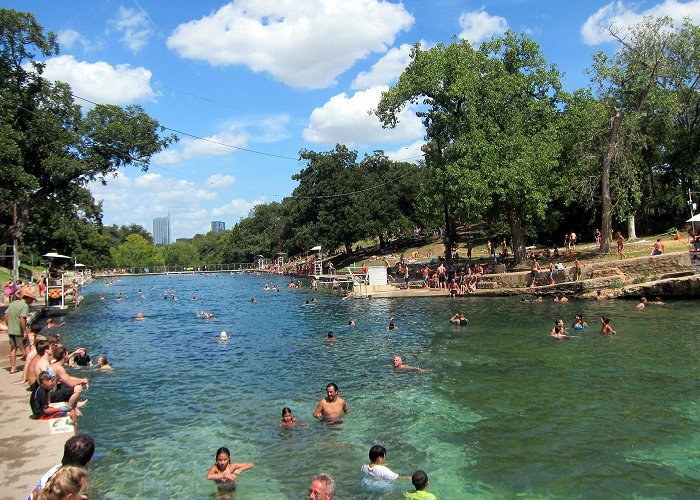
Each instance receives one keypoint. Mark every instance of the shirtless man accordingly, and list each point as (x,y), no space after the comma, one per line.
(534,272)
(332,407)
(398,364)
(658,248)
(60,354)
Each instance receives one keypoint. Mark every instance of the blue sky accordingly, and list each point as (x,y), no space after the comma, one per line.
(259,80)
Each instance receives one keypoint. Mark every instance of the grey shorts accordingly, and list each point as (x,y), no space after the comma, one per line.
(15,341)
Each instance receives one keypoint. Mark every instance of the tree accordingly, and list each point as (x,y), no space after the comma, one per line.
(491,125)
(321,208)
(137,252)
(50,150)
(627,82)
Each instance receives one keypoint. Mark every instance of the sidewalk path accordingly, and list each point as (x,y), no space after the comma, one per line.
(27,447)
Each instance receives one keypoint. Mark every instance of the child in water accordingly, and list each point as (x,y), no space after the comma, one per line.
(420,483)
(288,420)
(225,473)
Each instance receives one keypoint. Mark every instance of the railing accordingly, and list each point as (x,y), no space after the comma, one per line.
(203,268)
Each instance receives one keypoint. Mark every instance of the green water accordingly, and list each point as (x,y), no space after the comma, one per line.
(502,411)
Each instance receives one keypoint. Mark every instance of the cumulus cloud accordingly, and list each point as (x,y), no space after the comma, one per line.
(222,143)
(386,70)
(411,153)
(303,44)
(478,26)
(138,199)
(100,81)
(70,39)
(135,28)
(345,119)
(237,208)
(218,181)
(621,17)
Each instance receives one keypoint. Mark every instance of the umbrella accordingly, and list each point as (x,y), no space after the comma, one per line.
(694,218)
(54,255)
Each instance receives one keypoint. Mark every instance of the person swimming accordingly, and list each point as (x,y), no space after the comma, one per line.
(578,323)
(606,328)
(459,319)
(558,332)
(223,335)
(288,420)
(224,473)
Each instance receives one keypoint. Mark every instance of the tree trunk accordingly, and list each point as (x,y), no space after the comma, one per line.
(382,242)
(517,235)
(447,238)
(631,233)
(606,203)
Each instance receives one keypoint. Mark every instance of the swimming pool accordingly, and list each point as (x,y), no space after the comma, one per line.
(502,409)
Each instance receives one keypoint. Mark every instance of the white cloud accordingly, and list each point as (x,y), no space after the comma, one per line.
(411,153)
(237,208)
(134,26)
(621,17)
(346,120)
(218,181)
(386,70)
(100,81)
(140,198)
(70,39)
(304,44)
(222,143)
(478,26)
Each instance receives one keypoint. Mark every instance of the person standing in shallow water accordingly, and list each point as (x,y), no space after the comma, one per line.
(224,473)
(332,407)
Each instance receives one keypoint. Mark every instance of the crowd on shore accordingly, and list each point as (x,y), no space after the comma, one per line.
(55,393)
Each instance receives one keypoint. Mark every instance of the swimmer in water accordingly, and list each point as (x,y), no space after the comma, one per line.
(579,324)
(332,407)
(558,331)
(398,364)
(205,315)
(351,322)
(331,337)
(459,319)
(102,363)
(223,336)
(288,420)
(140,317)
(392,325)
(606,329)
(642,303)
(225,473)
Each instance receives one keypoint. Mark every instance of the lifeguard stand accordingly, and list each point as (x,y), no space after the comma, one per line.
(318,261)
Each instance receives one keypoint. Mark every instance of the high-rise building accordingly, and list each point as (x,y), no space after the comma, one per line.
(161,230)
(218,226)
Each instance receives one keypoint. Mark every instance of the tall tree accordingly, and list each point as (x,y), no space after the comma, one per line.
(491,124)
(627,82)
(49,148)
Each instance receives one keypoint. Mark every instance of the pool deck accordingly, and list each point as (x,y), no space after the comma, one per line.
(27,447)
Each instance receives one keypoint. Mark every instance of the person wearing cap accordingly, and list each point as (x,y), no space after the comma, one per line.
(17,326)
